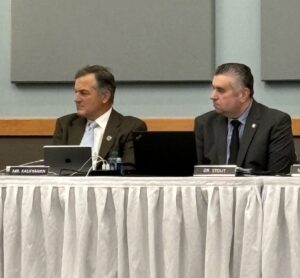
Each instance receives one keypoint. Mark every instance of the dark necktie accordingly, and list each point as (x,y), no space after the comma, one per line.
(234,143)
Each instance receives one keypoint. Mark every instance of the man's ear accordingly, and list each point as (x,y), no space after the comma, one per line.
(106,95)
(245,95)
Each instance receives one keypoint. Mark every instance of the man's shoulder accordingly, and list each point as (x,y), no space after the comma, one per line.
(269,112)
(134,123)
(124,117)
(70,118)
(132,119)
(129,120)
(208,120)
(208,116)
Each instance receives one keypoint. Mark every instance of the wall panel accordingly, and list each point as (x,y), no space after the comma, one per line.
(280,40)
(140,40)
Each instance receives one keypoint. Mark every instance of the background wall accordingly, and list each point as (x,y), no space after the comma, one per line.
(237,39)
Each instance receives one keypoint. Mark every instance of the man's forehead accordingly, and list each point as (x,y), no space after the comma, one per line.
(223,78)
(90,77)
(226,79)
(86,80)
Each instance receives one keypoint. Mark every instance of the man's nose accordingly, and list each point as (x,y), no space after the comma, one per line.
(213,95)
(76,97)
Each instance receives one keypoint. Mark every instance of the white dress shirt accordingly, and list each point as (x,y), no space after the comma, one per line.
(98,135)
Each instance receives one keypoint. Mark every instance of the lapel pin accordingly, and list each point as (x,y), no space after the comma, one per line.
(253,125)
(108,138)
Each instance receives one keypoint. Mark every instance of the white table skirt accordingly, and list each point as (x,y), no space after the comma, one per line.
(149,227)
(281,229)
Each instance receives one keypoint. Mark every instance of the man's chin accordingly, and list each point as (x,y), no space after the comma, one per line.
(80,113)
(219,111)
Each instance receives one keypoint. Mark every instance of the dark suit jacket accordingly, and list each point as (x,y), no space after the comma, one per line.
(266,144)
(117,135)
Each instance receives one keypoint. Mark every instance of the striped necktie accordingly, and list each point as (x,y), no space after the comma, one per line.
(88,136)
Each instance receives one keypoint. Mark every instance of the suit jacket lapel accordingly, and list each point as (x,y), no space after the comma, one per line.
(251,126)
(110,133)
(221,141)
(76,131)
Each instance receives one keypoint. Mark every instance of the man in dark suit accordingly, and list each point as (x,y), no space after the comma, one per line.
(94,94)
(241,131)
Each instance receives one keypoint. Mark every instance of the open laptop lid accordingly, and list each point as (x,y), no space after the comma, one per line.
(165,153)
(68,159)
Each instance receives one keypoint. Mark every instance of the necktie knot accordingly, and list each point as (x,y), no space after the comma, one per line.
(91,125)
(235,123)
(88,137)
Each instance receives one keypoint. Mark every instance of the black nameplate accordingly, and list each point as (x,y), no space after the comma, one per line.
(295,170)
(28,170)
(215,170)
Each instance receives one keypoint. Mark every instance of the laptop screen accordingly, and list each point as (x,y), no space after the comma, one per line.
(165,153)
(66,160)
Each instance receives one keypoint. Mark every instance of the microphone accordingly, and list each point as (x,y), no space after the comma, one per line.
(32,162)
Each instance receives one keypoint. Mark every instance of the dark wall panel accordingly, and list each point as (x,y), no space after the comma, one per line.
(280,40)
(140,40)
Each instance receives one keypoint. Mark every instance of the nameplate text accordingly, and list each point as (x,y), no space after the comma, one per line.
(28,170)
(215,170)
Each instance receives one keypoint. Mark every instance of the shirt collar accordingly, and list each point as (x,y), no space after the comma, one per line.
(242,119)
(103,119)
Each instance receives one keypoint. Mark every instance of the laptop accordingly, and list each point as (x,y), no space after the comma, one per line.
(164,153)
(68,160)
